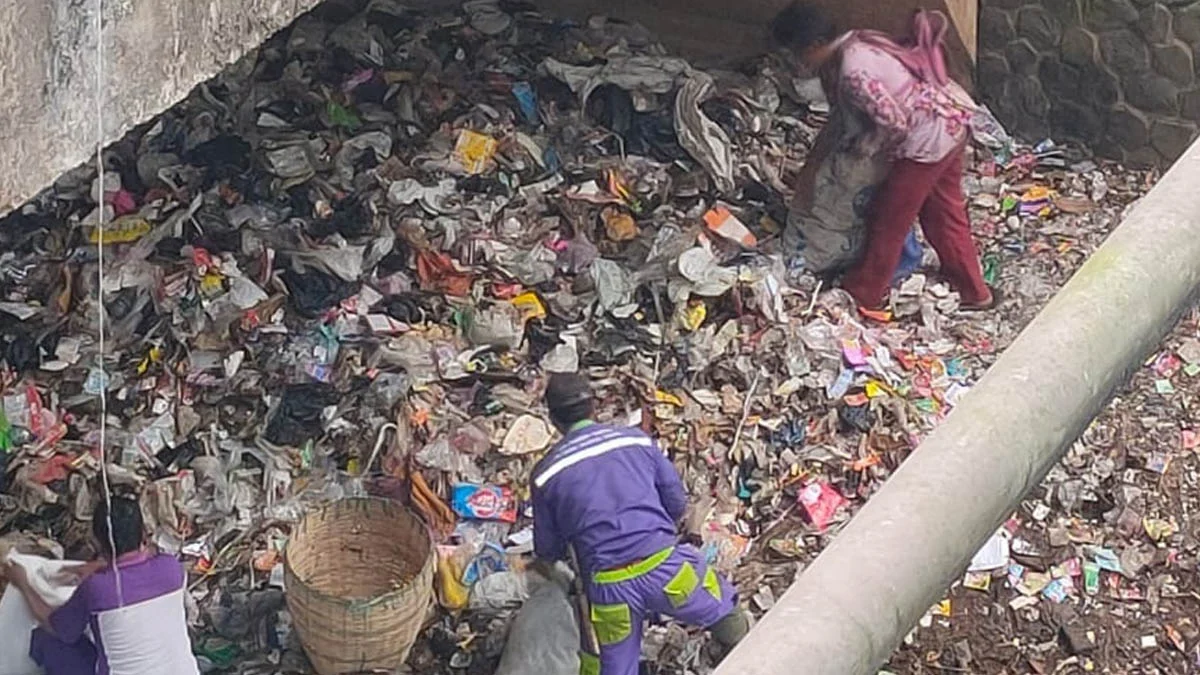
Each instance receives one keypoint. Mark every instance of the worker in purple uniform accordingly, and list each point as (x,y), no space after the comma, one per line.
(131,601)
(611,496)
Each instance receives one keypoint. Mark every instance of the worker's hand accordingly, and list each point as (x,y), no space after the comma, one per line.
(16,575)
(543,568)
(875,144)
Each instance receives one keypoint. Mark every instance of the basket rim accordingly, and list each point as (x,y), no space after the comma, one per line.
(357,602)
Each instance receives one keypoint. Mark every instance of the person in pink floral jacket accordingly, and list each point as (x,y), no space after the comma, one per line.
(921,118)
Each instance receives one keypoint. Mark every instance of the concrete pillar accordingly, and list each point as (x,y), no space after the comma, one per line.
(847,613)
(156,51)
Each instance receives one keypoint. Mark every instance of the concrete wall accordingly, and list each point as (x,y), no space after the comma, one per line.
(156,52)
(1118,75)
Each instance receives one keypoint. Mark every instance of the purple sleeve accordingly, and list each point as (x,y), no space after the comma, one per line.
(670,487)
(69,621)
(547,540)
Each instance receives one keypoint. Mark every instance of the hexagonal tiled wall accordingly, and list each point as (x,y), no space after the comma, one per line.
(1118,75)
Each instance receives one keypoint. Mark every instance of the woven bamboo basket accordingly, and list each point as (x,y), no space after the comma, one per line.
(359,579)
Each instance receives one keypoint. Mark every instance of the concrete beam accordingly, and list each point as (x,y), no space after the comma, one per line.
(847,613)
(720,32)
(156,51)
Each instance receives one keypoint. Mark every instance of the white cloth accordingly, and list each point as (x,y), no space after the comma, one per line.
(149,638)
(16,619)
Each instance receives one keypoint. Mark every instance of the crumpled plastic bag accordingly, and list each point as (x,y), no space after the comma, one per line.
(497,326)
(706,142)
(527,435)
(564,358)
(500,590)
(413,353)
(313,293)
(294,163)
(487,17)
(988,131)
(705,277)
(344,262)
(578,255)
(439,199)
(299,416)
(377,142)
(614,284)
(647,74)
(699,135)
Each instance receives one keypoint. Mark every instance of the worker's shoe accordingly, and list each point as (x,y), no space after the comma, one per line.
(729,631)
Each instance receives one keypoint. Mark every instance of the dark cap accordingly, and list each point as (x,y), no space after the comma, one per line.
(567,389)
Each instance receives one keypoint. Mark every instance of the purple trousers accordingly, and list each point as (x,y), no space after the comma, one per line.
(61,658)
(675,582)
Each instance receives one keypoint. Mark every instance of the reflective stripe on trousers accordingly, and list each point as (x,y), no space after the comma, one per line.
(674,582)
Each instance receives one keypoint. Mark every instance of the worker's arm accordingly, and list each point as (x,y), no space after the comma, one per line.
(869,96)
(548,543)
(822,147)
(19,577)
(806,181)
(670,488)
(859,86)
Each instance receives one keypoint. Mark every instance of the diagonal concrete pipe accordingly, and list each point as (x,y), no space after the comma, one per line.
(849,611)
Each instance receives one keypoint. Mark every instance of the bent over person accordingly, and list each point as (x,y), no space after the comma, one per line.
(921,119)
(137,623)
(611,496)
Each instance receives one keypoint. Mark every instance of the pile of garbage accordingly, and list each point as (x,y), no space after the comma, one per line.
(347,264)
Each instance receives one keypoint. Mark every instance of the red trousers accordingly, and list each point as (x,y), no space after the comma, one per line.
(934,193)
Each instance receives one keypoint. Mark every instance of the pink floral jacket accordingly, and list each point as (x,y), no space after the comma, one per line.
(914,119)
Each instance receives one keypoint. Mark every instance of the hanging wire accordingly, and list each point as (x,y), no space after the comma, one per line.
(99,112)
